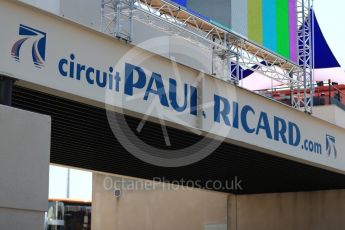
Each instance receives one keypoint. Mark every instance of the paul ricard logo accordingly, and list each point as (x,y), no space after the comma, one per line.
(330,146)
(37,40)
(165,96)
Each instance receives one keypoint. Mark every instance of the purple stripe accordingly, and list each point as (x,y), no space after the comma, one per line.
(293,29)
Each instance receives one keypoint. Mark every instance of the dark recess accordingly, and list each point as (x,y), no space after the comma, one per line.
(81,137)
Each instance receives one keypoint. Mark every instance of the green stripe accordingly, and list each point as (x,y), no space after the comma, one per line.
(255,20)
(283,42)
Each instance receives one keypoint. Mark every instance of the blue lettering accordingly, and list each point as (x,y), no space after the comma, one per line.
(160,91)
(280,129)
(193,101)
(88,75)
(244,120)
(101,79)
(80,68)
(264,124)
(224,113)
(117,81)
(129,81)
(71,66)
(62,63)
(235,115)
(111,78)
(294,134)
(173,96)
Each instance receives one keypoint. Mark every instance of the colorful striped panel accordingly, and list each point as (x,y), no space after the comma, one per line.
(255,21)
(269,24)
(283,33)
(293,30)
(239,17)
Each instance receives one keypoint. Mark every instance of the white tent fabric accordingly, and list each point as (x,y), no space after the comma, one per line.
(257,81)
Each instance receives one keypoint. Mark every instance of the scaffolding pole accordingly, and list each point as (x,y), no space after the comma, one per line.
(117,18)
(305,51)
(229,46)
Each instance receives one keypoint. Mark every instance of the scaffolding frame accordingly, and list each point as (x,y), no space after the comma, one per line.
(117,16)
(305,50)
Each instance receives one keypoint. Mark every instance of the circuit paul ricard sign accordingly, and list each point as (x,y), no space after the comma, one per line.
(54,53)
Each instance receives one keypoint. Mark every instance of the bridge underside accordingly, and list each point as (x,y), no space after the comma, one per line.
(81,137)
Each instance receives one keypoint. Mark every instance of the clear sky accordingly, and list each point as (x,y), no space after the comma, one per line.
(80,184)
(331,17)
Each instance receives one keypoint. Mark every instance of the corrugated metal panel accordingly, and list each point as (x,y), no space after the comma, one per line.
(81,137)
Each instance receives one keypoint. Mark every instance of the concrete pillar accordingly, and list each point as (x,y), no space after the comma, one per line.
(24,168)
(232,212)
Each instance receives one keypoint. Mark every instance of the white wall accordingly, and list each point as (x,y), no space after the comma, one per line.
(86,12)
(52,6)
(24,168)
(330,113)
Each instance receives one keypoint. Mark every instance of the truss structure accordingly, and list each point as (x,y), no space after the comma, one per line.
(116,18)
(305,50)
(237,52)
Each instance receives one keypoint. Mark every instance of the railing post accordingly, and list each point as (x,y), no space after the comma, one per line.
(329,91)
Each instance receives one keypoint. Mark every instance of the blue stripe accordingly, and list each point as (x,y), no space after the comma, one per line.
(269,16)
(180,2)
